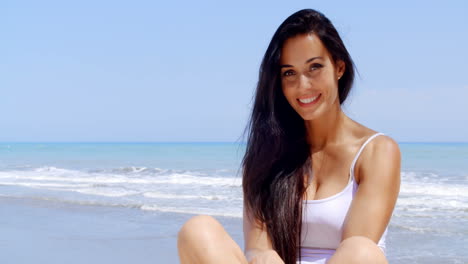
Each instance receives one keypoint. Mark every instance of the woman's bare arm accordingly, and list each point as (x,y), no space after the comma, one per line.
(379,185)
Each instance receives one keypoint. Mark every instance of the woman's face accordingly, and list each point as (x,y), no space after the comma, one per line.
(309,77)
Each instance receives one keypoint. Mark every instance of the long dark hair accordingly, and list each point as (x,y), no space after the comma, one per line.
(277,155)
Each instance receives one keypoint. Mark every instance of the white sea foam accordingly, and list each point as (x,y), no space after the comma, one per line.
(128,204)
(108,192)
(145,188)
(417,229)
(229,212)
(435,190)
(51,169)
(433,197)
(189,197)
(134,169)
(190,179)
(197,211)
(128,189)
(44,185)
(430,204)
(62,175)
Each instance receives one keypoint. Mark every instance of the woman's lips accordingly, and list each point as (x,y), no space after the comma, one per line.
(309,100)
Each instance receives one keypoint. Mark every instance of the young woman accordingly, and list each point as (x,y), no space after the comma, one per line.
(318,186)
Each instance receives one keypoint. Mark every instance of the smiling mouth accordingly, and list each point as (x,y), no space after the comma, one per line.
(308,101)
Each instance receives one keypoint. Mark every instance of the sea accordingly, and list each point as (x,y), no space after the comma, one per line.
(429,223)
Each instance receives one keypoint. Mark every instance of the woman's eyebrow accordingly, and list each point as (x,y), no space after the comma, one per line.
(307,61)
(313,58)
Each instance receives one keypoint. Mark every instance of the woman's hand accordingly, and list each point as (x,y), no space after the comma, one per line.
(267,256)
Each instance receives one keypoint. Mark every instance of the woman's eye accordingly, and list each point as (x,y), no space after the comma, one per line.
(315,66)
(288,73)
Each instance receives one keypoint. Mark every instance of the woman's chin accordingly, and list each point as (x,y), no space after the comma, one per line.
(309,116)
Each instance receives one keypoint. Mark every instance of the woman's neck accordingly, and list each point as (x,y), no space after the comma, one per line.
(326,129)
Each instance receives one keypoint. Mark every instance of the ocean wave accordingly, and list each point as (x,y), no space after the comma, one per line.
(44,185)
(74,201)
(433,197)
(109,189)
(417,229)
(189,197)
(108,192)
(232,212)
(75,176)
(446,190)
(197,211)
(164,189)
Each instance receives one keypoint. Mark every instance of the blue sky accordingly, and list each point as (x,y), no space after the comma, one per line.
(186,70)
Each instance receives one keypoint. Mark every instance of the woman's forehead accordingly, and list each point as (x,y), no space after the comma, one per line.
(298,49)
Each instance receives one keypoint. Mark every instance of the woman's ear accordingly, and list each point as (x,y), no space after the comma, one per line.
(340,68)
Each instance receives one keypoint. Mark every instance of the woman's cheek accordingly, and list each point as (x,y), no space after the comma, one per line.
(288,94)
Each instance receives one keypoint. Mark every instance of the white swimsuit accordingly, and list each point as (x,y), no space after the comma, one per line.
(322,221)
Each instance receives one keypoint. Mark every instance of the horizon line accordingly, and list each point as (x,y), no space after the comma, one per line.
(206,142)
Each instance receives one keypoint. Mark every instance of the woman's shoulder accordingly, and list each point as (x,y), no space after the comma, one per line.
(380,155)
(381,149)
(379,143)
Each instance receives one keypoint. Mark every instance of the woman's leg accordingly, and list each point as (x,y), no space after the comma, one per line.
(203,240)
(359,250)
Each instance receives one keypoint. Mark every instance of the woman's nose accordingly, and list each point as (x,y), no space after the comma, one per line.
(304,82)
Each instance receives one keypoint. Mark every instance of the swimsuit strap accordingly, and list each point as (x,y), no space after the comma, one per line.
(351,170)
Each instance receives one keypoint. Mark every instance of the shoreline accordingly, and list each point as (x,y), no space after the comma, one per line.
(35,231)
(41,231)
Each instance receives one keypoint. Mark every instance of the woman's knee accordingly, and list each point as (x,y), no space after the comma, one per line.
(202,239)
(360,249)
(200,228)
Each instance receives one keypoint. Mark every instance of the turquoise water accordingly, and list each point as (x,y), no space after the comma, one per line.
(446,158)
(111,155)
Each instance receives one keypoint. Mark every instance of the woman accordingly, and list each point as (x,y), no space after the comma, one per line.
(318,186)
